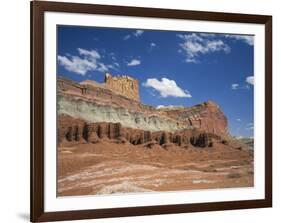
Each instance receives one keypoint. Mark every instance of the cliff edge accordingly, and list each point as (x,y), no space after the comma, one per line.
(117,101)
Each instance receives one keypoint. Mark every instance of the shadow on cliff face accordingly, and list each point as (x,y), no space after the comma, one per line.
(72,131)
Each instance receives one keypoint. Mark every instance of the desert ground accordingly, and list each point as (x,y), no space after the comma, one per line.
(111,166)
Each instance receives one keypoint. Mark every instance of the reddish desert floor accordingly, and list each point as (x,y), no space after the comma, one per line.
(110,167)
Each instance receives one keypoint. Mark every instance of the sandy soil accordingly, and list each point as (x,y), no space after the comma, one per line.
(110,167)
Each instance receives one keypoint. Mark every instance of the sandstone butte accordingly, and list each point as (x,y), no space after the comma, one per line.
(89,111)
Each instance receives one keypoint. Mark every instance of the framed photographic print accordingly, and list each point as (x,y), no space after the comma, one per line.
(141,111)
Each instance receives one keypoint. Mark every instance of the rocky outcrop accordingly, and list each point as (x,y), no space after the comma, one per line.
(73,131)
(102,102)
(206,116)
(124,85)
(92,111)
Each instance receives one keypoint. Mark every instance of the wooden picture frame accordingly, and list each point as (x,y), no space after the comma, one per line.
(38,213)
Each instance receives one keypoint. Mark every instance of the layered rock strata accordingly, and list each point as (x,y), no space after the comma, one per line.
(100,102)
(73,131)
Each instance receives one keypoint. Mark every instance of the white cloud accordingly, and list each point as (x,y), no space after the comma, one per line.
(166,88)
(168,107)
(113,66)
(126,37)
(194,45)
(242,86)
(102,67)
(116,64)
(76,64)
(191,60)
(211,35)
(160,106)
(88,60)
(113,56)
(138,33)
(92,54)
(238,120)
(246,39)
(234,86)
(152,46)
(250,80)
(134,62)
(250,126)
(239,137)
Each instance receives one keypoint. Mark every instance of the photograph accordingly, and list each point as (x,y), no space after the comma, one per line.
(145,110)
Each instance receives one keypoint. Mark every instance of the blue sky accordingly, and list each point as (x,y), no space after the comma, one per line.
(173,68)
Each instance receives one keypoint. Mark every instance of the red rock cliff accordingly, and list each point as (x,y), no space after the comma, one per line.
(72,131)
(206,116)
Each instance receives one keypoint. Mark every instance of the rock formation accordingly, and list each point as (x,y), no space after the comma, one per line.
(123,85)
(206,116)
(73,131)
(107,102)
